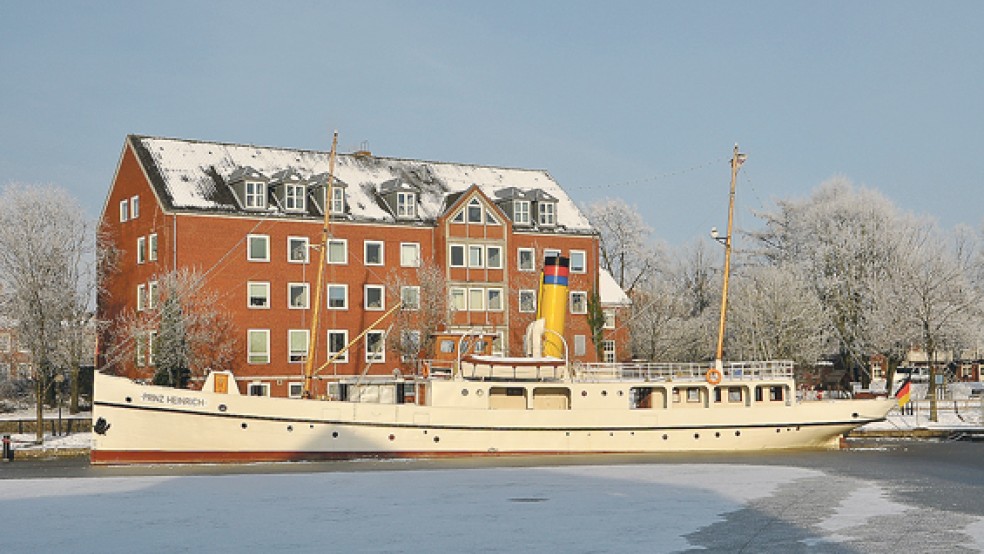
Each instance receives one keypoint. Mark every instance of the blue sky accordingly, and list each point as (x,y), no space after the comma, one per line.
(637,100)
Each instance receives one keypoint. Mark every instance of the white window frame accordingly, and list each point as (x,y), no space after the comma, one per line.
(249,248)
(329,257)
(380,356)
(473,250)
(152,247)
(343,333)
(152,295)
(406,204)
(337,204)
(547,252)
(306,257)
(491,293)
(521,212)
(530,293)
(458,299)
(141,250)
(292,357)
(464,255)
(547,216)
(474,208)
(459,217)
(476,299)
(152,348)
(295,197)
(124,210)
(254,197)
(583,267)
(365,252)
(265,286)
(519,259)
(262,357)
(295,389)
(404,290)
(141,297)
(579,294)
(382,298)
(290,295)
(134,207)
(261,387)
(609,318)
(409,254)
(490,218)
(580,345)
(344,289)
(488,257)
(608,351)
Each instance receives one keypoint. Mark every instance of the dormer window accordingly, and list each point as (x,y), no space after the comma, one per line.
(294,196)
(548,214)
(255,198)
(521,212)
(406,204)
(337,200)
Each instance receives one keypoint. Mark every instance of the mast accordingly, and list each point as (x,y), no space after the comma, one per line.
(319,286)
(736,160)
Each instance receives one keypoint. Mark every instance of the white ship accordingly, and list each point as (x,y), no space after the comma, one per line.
(467,403)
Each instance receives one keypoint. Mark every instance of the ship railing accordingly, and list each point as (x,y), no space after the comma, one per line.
(649,371)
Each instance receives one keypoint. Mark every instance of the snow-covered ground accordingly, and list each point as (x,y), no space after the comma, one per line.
(25,441)
(623,508)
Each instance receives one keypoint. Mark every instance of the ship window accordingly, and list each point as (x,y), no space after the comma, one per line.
(693,394)
(775,393)
(734,394)
(447,346)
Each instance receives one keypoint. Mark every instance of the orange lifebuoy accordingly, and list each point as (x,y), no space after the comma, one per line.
(713,376)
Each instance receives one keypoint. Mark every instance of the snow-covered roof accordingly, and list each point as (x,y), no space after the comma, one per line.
(609,292)
(191,175)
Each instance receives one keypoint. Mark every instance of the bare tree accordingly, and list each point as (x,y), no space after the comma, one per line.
(46,245)
(425,308)
(626,247)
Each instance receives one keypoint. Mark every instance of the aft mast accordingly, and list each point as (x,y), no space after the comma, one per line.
(319,287)
(736,160)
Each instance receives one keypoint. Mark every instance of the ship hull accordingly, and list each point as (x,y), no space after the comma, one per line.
(143,424)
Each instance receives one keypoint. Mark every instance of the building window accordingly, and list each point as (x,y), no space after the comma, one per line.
(410,296)
(525,259)
(255,195)
(580,345)
(258,389)
(579,302)
(297,250)
(124,210)
(294,198)
(337,297)
(493,257)
(259,346)
(152,247)
(476,300)
(458,302)
(527,301)
(374,297)
(376,346)
(338,251)
(295,390)
(521,212)
(152,350)
(406,204)
(258,248)
(298,296)
(373,252)
(494,300)
(490,219)
(551,253)
(140,349)
(608,351)
(134,207)
(4,342)
(409,345)
(409,254)
(141,297)
(474,210)
(259,294)
(457,255)
(475,255)
(152,295)
(297,343)
(337,339)
(141,249)
(337,200)
(578,261)
(609,319)
(548,214)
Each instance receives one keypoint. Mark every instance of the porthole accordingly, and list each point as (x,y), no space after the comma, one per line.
(696,436)
(621,393)
(244,425)
(311,426)
(604,393)
(334,434)
(717,434)
(437,439)
(479,392)
(584,393)
(392,437)
(737,433)
(665,437)
(223,407)
(128,400)
(611,434)
(778,430)
(290,428)
(464,392)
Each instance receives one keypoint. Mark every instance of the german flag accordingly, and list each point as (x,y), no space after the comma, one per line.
(904,392)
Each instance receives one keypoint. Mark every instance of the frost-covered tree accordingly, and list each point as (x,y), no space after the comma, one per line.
(424,310)
(46,250)
(626,246)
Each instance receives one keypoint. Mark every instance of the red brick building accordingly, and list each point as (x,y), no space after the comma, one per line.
(249,219)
